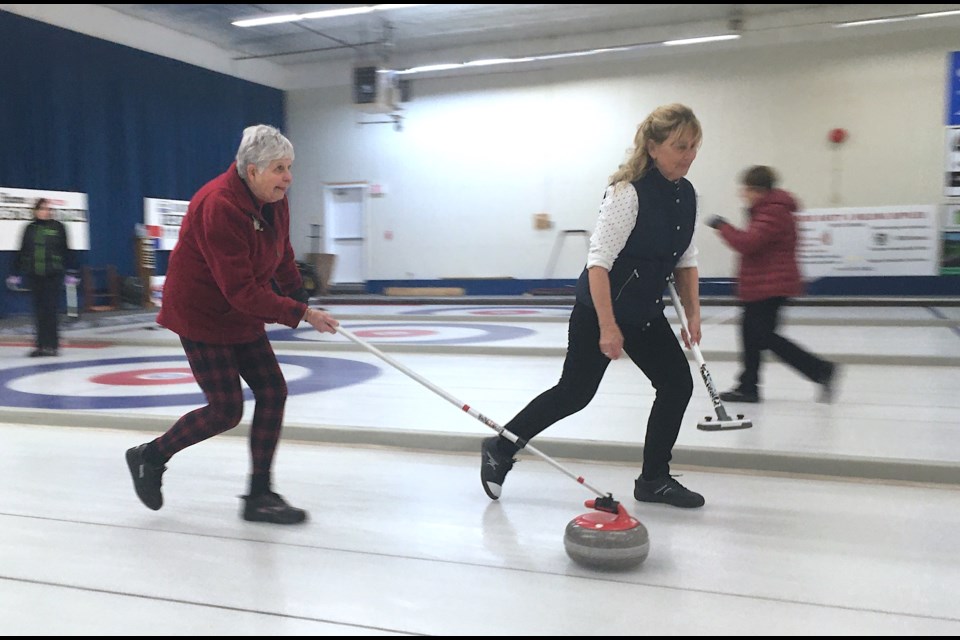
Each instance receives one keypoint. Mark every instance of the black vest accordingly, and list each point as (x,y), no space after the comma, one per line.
(664,230)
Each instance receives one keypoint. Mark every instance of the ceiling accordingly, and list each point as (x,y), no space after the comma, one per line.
(418,32)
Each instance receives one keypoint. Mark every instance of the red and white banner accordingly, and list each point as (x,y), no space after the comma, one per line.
(869,241)
(162,219)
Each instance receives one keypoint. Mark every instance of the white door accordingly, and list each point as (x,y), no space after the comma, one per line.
(345,225)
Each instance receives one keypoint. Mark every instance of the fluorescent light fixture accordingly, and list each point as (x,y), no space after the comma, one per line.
(887,20)
(566,54)
(337,13)
(577,54)
(939,14)
(257,22)
(494,61)
(432,67)
(674,43)
(318,15)
(863,23)
(484,63)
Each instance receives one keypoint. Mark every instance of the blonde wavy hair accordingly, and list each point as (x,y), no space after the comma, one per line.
(662,123)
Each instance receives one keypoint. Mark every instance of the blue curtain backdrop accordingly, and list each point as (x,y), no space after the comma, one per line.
(82,114)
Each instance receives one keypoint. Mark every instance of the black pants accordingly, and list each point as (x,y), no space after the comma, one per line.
(758,332)
(653,348)
(46,309)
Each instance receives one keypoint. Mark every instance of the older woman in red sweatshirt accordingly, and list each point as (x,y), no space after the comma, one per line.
(768,277)
(234,246)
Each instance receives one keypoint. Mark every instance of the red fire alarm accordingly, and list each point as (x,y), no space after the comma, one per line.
(837,136)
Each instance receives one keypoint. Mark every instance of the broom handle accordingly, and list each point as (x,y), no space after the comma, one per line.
(467,408)
(704,373)
(683,320)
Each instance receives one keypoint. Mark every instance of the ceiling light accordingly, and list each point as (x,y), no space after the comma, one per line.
(318,15)
(257,22)
(889,19)
(863,23)
(565,54)
(494,61)
(337,13)
(939,14)
(673,43)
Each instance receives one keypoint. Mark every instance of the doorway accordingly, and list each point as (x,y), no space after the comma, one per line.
(345,226)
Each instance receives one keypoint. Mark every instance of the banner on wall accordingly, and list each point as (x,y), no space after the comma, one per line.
(950,241)
(953,89)
(950,262)
(950,216)
(16,212)
(952,163)
(869,241)
(951,186)
(162,218)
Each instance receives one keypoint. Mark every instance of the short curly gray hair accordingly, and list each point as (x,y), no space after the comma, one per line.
(261,144)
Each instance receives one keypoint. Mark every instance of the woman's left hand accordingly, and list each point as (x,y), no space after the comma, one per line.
(693,336)
(611,341)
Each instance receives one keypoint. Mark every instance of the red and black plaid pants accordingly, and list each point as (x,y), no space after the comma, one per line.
(218,369)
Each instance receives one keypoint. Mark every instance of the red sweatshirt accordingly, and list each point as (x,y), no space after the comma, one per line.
(768,249)
(217,288)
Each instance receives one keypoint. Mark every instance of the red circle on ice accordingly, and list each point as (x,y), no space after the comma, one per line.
(144,377)
(393,333)
(503,312)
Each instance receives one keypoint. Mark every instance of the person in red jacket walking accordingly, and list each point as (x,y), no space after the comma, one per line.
(768,277)
(232,258)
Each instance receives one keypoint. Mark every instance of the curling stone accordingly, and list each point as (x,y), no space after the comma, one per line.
(605,540)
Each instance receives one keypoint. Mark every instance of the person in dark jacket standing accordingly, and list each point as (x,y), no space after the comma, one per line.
(41,261)
(644,234)
(768,276)
(234,248)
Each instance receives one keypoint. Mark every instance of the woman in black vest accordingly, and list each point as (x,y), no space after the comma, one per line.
(42,259)
(644,233)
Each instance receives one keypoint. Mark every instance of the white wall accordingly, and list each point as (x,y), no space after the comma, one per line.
(479,155)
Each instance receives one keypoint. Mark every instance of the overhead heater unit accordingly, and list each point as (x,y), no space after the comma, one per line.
(376,90)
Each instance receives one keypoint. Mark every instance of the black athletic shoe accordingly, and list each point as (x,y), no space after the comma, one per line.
(668,491)
(147,478)
(494,467)
(828,386)
(271,507)
(736,395)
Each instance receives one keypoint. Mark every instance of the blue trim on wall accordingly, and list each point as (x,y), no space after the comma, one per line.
(892,286)
(87,115)
(482,286)
(873,286)
(901,286)
(479,286)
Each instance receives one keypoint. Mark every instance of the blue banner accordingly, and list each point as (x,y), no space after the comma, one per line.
(953,91)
